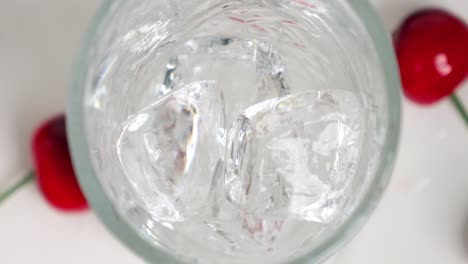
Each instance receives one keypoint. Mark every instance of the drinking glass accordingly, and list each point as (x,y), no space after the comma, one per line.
(234,131)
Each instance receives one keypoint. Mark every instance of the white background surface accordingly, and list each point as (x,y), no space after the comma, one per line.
(420,219)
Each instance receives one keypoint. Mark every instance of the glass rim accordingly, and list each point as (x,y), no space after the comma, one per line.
(104,209)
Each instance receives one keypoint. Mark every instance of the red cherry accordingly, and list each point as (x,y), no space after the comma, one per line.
(54,169)
(432,50)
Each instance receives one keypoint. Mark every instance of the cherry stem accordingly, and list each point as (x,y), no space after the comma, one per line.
(457,103)
(4,196)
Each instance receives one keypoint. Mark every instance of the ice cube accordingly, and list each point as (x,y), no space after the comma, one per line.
(175,134)
(293,156)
